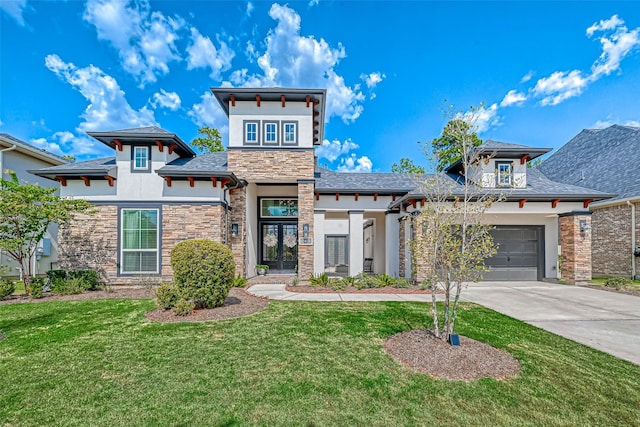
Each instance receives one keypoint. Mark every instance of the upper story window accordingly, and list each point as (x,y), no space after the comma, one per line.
(290,133)
(141,159)
(271,133)
(251,133)
(504,174)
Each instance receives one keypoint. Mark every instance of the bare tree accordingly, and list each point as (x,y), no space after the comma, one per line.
(450,241)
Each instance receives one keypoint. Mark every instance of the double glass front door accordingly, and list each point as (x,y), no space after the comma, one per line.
(279,246)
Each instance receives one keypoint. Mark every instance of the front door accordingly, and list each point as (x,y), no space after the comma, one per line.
(279,246)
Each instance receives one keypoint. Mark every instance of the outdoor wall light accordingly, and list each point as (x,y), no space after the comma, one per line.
(636,251)
(234,230)
(584,227)
(305,230)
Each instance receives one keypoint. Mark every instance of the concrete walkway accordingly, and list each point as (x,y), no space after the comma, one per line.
(606,321)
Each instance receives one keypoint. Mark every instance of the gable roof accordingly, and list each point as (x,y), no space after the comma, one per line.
(7,141)
(607,160)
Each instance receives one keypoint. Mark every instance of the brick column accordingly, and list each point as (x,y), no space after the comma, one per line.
(305,217)
(576,247)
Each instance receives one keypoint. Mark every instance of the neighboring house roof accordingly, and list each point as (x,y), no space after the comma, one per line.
(316,99)
(146,134)
(7,141)
(95,167)
(207,165)
(607,160)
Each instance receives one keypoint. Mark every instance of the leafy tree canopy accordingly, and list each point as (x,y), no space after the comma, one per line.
(448,147)
(406,165)
(26,211)
(208,141)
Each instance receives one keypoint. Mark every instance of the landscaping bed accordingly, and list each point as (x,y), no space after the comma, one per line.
(129,292)
(306,288)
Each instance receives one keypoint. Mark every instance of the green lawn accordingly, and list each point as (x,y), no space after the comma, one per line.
(296,363)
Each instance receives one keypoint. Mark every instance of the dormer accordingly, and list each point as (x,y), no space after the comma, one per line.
(500,164)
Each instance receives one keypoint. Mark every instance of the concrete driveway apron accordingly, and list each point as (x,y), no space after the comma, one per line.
(606,321)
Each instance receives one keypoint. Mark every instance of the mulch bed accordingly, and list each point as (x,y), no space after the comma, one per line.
(472,360)
(238,303)
(355,290)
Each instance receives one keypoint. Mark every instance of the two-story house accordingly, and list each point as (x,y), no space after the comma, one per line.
(268,200)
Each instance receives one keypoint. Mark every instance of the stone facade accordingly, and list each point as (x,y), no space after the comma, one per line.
(91,241)
(305,216)
(612,240)
(271,165)
(238,215)
(576,247)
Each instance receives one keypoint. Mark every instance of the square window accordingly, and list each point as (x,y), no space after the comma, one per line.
(251,133)
(271,133)
(141,158)
(289,133)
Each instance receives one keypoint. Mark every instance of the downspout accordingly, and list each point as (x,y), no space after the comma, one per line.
(633,240)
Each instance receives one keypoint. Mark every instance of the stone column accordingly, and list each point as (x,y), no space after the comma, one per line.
(575,241)
(305,217)
(238,215)
(356,240)
(392,230)
(318,246)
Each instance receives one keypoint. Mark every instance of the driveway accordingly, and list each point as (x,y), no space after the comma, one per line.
(606,321)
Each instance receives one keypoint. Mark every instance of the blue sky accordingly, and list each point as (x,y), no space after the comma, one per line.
(543,70)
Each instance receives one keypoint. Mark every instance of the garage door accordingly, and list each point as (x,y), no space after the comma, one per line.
(520,254)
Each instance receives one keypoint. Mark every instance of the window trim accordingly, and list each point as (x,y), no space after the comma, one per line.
(284,134)
(135,169)
(245,141)
(264,133)
(121,250)
(499,182)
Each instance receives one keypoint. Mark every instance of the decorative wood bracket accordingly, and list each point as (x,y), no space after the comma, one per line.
(586,203)
(87,180)
(62,180)
(172,148)
(375,197)
(118,144)
(554,203)
(308,100)
(192,181)
(422,201)
(393,198)
(214,181)
(356,197)
(524,159)
(168,180)
(317,196)
(160,145)
(258,100)
(337,196)
(233,100)
(109,179)
(282,100)
(522,202)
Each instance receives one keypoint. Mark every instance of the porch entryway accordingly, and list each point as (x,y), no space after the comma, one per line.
(279,246)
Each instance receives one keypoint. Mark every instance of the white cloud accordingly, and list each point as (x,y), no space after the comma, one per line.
(313,2)
(64,137)
(482,118)
(605,24)
(208,113)
(372,79)
(617,42)
(355,164)
(293,60)
(527,77)
(44,144)
(601,124)
(331,150)
(513,97)
(145,40)
(170,100)
(250,8)
(15,9)
(560,86)
(64,142)
(108,108)
(203,54)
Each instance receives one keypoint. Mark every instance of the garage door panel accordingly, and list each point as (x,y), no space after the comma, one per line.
(518,253)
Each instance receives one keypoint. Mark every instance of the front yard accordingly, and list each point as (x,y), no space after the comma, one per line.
(100,362)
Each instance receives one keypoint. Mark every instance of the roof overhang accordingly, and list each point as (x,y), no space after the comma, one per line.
(114,138)
(7,142)
(199,175)
(315,97)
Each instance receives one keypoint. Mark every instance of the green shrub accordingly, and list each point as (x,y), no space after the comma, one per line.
(402,283)
(319,280)
(71,286)
(617,282)
(167,295)
(337,284)
(183,307)
(385,280)
(349,280)
(239,282)
(89,279)
(35,287)
(56,278)
(7,287)
(364,281)
(203,271)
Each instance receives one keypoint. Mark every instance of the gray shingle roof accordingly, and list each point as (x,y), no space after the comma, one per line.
(206,163)
(147,133)
(9,139)
(143,130)
(89,167)
(603,159)
(331,181)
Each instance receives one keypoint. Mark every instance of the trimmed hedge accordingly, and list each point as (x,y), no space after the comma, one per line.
(203,271)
